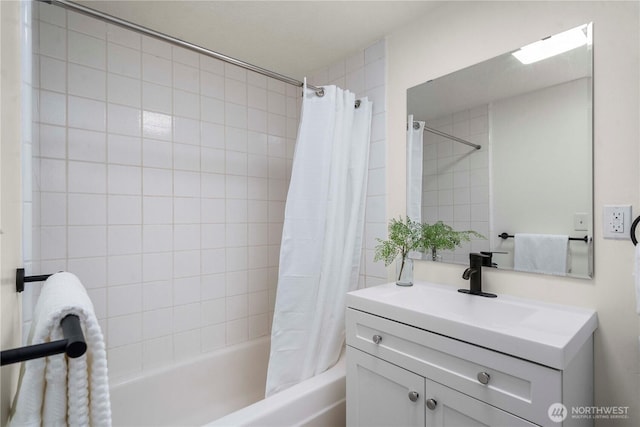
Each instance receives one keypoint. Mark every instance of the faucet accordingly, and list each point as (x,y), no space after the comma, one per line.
(474,274)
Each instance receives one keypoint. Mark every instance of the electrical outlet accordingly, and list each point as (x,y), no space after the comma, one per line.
(616,221)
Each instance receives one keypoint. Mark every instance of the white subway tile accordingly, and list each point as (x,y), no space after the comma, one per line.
(87,209)
(186,157)
(276,86)
(236,163)
(213,287)
(185,56)
(277,125)
(157,266)
(213,236)
(186,317)
(87,114)
(211,85)
(87,82)
(124,120)
(52,175)
(126,150)
(235,115)
(157,323)
(53,141)
(123,90)
(86,24)
(156,69)
(186,77)
(124,209)
(124,361)
(156,47)
(157,238)
(157,125)
(123,36)
(186,131)
(237,331)
(98,297)
(236,259)
(86,50)
(53,209)
(87,145)
(157,294)
(124,239)
(157,210)
(259,325)
(92,272)
(213,311)
(236,283)
(186,210)
(124,300)
(213,261)
(157,182)
(53,242)
(157,352)
(124,269)
(53,108)
(186,290)
(213,135)
(157,154)
(257,188)
(52,41)
(236,187)
(212,110)
(212,160)
(125,330)
(257,120)
(85,177)
(156,98)
(187,344)
(212,65)
(257,143)
(186,104)
(125,179)
(87,241)
(186,237)
(53,74)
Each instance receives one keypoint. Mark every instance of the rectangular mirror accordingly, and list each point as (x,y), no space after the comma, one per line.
(505,148)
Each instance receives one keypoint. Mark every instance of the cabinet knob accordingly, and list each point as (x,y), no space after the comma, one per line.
(377,339)
(484,378)
(431,404)
(413,396)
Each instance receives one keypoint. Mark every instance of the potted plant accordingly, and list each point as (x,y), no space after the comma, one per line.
(440,236)
(404,236)
(407,235)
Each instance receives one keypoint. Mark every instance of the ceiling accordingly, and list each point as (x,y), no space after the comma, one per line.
(293,38)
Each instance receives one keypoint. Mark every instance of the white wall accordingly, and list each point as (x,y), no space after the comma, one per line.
(549,167)
(459,34)
(11,134)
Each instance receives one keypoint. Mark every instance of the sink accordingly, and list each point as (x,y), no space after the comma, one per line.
(549,334)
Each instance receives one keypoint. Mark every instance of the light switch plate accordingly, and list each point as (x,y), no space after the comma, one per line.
(616,222)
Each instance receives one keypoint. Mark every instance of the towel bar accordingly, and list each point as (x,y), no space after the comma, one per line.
(584,239)
(633,230)
(21,279)
(73,344)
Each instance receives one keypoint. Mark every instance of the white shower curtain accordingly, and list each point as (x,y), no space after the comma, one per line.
(414,169)
(321,238)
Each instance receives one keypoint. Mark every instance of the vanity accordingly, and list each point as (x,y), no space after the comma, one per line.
(428,355)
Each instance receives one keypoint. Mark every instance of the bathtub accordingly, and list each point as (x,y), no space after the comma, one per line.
(226,388)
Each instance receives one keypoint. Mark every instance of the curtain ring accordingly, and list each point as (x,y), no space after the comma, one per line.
(357,103)
(320,92)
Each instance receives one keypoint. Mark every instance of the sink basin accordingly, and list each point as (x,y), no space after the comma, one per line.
(549,334)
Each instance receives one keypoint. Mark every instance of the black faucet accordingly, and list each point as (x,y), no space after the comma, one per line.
(474,275)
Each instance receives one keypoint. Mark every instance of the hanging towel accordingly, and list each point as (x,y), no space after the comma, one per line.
(541,253)
(56,390)
(636,276)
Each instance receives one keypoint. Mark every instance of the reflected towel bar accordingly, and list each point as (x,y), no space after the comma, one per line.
(584,239)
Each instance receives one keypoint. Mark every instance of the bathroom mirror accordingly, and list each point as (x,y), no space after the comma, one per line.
(505,147)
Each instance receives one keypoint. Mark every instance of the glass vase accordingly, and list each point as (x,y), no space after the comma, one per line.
(404,271)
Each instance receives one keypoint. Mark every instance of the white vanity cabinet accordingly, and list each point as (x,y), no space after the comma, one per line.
(402,370)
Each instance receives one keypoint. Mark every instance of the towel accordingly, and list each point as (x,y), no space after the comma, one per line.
(636,276)
(56,390)
(541,253)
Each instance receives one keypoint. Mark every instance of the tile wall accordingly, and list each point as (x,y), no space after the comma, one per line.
(365,75)
(160,178)
(456,178)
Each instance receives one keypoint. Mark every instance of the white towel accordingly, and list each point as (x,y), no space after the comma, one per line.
(56,391)
(541,253)
(636,276)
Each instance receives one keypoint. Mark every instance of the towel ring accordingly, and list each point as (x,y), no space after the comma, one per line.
(633,231)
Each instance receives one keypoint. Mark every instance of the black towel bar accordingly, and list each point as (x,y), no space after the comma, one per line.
(21,279)
(584,239)
(634,224)
(73,344)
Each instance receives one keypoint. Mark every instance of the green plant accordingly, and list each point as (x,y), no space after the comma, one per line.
(440,236)
(404,236)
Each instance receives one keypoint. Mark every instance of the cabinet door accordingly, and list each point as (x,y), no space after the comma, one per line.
(447,407)
(382,394)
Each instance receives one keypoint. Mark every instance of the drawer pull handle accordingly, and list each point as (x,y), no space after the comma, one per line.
(413,396)
(377,339)
(431,404)
(484,378)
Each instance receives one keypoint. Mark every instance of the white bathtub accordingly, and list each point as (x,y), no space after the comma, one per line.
(226,388)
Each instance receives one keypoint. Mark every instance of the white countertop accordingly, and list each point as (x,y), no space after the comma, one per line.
(548,334)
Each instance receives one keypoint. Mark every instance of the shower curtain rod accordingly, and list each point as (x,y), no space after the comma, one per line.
(147,31)
(416,125)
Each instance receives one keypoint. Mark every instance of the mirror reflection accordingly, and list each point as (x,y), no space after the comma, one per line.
(504,148)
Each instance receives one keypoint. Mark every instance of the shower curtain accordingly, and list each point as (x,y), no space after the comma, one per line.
(321,238)
(414,169)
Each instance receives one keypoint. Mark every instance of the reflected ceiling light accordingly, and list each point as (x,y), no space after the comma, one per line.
(554,45)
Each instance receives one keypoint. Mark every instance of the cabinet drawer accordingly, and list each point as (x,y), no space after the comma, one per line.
(523,388)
